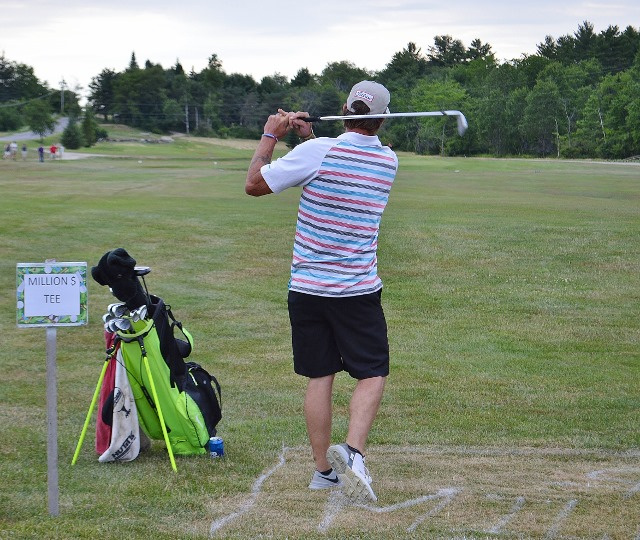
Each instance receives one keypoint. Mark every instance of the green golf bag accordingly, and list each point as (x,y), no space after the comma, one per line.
(174,400)
(186,393)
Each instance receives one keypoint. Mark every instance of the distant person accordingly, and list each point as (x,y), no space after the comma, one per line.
(41,153)
(52,151)
(24,152)
(7,151)
(60,151)
(14,150)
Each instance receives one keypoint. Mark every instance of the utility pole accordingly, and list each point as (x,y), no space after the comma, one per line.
(62,85)
(186,117)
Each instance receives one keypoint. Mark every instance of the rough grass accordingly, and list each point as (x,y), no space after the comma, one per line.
(511,293)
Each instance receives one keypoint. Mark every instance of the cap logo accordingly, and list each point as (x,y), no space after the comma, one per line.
(364,95)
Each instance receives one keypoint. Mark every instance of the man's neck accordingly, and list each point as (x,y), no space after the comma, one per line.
(360,131)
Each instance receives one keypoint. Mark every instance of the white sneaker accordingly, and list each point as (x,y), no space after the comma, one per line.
(352,472)
(320,481)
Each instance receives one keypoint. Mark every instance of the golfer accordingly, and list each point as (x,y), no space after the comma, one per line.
(337,322)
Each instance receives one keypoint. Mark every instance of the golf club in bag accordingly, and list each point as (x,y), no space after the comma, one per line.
(145,375)
(460,118)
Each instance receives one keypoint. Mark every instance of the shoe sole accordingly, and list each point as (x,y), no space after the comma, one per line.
(325,485)
(356,488)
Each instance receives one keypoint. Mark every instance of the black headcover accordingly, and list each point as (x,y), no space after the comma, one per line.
(116,269)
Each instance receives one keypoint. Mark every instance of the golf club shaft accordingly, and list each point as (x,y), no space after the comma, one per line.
(460,118)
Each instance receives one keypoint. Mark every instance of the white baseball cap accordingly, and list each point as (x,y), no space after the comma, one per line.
(373,94)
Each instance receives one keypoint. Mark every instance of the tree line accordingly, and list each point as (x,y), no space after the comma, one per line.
(26,102)
(578,96)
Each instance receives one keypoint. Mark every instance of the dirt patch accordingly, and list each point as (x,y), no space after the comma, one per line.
(447,492)
(78,155)
(239,144)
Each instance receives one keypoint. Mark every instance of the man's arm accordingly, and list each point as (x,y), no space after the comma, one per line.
(275,128)
(255,184)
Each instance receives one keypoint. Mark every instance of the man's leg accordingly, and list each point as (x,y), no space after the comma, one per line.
(346,462)
(363,409)
(317,413)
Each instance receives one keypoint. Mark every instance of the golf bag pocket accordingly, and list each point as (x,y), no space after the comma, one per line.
(125,435)
(205,391)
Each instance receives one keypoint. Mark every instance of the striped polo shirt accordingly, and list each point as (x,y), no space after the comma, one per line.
(346,183)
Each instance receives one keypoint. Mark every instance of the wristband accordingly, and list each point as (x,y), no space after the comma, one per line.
(311,135)
(271,136)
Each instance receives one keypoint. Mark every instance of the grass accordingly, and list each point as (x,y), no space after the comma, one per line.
(511,293)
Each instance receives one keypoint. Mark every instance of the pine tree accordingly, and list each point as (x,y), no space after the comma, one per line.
(89,127)
(72,136)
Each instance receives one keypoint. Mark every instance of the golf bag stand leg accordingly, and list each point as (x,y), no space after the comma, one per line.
(90,412)
(145,361)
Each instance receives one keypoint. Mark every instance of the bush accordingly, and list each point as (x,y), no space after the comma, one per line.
(239,132)
(10,119)
(72,136)
(101,133)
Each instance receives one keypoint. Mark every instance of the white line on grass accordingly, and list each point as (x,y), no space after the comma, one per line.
(561,517)
(337,501)
(435,510)
(507,518)
(635,489)
(609,475)
(524,451)
(250,502)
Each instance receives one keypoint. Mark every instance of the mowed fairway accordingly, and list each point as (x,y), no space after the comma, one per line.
(512,294)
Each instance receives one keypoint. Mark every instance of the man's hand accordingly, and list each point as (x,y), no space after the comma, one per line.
(278,124)
(302,129)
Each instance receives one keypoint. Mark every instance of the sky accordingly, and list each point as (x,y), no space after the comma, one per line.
(74,40)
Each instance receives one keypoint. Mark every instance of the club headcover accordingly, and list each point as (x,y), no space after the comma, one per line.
(116,270)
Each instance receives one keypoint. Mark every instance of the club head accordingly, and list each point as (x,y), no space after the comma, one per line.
(462,124)
(111,326)
(117,310)
(139,314)
(122,324)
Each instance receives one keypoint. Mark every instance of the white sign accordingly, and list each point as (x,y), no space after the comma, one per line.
(47,294)
(52,294)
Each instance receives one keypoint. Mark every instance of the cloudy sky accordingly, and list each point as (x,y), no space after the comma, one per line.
(75,40)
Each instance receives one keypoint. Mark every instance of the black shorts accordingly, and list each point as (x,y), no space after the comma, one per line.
(334,334)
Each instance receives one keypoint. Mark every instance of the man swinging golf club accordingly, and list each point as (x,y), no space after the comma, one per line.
(337,322)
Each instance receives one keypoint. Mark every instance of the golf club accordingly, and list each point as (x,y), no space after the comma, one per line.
(110,326)
(123,324)
(117,309)
(139,314)
(460,119)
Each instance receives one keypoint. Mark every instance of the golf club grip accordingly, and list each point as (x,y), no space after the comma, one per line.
(311,119)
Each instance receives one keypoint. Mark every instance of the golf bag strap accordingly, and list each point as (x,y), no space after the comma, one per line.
(177,323)
(128,338)
(111,351)
(218,389)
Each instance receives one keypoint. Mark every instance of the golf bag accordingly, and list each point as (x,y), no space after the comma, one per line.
(172,399)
